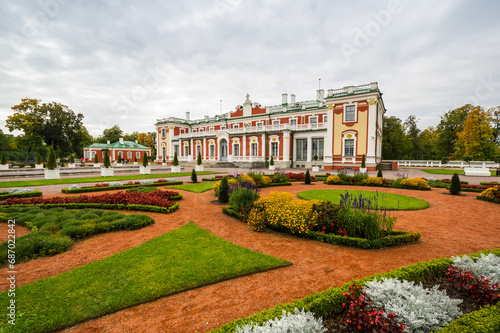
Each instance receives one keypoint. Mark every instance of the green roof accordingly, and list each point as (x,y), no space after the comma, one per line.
(117,144)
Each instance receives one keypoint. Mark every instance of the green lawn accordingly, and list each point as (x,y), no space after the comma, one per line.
(41,182)
(449,172)
(183,259)
(196,188)
(387,200)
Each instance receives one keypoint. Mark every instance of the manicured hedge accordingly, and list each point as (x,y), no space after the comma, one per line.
(275,184)
(396,237)
(330,301)
(7,195)
(486,320)
(479,197)
(133,207)
(109,188)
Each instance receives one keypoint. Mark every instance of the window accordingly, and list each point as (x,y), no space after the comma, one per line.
(186,150)
(200,130)
(274,149)
(259,126)
(301,150)
(236,149)
(163,134)
(236,126)
(276,124)
(318,147)
(223,127)
(93,154)
(313,121)
(293,122)
(350,113)
(212,150)
(138,155)
(198,150)
(325,119)
(254,149)
(349,147)
(129,154)
(120,155)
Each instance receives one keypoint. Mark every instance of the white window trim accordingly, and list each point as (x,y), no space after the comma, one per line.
(270,145)
(290,121)
(355,113)
(345,137)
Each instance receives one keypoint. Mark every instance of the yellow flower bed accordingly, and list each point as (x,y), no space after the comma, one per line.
(491,194)
(331,180)
(415,183)
(247,178)
(265,180)
(374,181)
(217,185)
(282,210)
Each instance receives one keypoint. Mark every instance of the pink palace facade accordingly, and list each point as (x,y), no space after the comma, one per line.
(337,129)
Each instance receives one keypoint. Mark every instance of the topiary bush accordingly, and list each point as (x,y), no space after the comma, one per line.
(194,178)
(223,196)
(96,159)
(379,173)
(363,161)
(3,158)
(145,160)
(175,162)
(455,186)
(38,159)
(307,178)
(198,159)
(272,161)
(72,158)
(51,162)
(106,161)
(119,158)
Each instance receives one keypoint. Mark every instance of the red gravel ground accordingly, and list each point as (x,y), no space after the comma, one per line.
(452,225)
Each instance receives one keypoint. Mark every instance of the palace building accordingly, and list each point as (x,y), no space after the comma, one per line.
(331,132)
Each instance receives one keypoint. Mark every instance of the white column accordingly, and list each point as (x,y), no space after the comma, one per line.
(328,155)
(244,146)
(204,150)
(264,146)
(286,146)
(192,149)
(309,149)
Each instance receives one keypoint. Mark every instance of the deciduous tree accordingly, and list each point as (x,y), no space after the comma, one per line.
(451,123)
(476,137)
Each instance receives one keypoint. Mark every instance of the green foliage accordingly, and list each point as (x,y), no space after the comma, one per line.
(379,173)
(38,158)
(96,159)
(119,158)
(485,320)
(327,217)
(3,159)
(307,177)
(363,161)
(455,186)
(451,123)
(222,194)
(198,159)
(142,189)
(175,162)
(106,161)
(445,160)
(51,162)
(242,199)
(87,189)
(194,178)
(6,195)
(164,160)
(111,134)
(272,161)
(393,147)
(145,160)
(72,158)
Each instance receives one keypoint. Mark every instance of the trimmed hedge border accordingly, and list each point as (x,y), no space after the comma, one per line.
(485,320)
(275,184)
(487,199)
(396,237)
(133,207)
(489,183)
(110,188)
(20,195)
(330,301)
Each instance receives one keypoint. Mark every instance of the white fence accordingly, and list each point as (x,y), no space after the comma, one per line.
(450,164)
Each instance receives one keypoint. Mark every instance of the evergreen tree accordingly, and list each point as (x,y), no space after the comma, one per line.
(3,159)
(198,160)
(96,159)
(145,160)
(175,162)
(307,178)
(106,161)
(119,158)
(194,178)
(51,162)
(363,161)
(164,161)
(272,161)
(223,196)
(379,173)
(38,158)
(135,159)
(72,158)
(455,186)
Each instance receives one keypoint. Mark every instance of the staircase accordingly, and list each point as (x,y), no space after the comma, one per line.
(224,165)
(384,166)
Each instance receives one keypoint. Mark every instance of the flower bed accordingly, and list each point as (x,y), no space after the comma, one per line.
(109,186)
(475,188)
(157,201)
(27,193)
(365,180)
(330,302)
(295,177)
(491,194)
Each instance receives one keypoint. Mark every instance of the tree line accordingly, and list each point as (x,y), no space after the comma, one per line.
(44,125)
(468,131)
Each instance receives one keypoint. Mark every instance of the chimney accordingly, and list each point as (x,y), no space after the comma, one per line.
(284,99)
(292,99)
(121,140)
(187,116)
(330,92)
(108,142)
(206,118)
(320,95)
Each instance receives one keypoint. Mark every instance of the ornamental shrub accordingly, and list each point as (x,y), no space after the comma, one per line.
(279,178)
(145,160)
(486,265)
(51,162)
(194,178)
(327,217)
(96,159)
(106,162)
(223,196)
(242,196)
(373,181)
(419,309)
(307,178)
(379,173)
(38,159)
(164,160)
(455,186)
(198,159)
(413,183)
(332,180)
(478,287)
(135,159)
(272,161)
(363,161)
(3,159)
(257,220)
(175,162)
(491,194)
(298,322)
(119,159)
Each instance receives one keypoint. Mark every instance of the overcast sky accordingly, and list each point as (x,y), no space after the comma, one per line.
(131,62)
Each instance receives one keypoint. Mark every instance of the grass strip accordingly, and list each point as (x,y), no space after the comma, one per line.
(449,172)
(387,200)
(41,182)
(186,258)
(196,188)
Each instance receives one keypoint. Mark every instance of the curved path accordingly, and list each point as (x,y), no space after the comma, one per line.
(452,225)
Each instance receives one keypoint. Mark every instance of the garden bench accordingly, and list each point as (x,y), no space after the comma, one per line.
(485,172)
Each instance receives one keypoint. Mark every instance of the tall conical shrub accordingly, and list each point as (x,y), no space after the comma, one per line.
(175,162)
(119,158)
(194,177)
(106,159)
(38,158)
(307,178)
(51,162)
(363,161)
(272,161)
(3,159)
(164,160)
(379,173)
(96,159)
(455,187)
(198,160)
(223,196)
(145,160)
(71,158)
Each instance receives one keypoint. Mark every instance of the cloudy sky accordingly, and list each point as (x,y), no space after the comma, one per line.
(130,63)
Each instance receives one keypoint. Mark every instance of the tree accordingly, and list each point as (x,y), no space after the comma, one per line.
(223,196)
(413,137)
(3,159)
(194,178)
(428,144)
(455,186)
(72,158)
(307,177)
(51,161)
(38,158)
(145,160)
(96,159)
(7,142)
(131,137)
(175,162)
(393,137)
(476,137)
(451,123)
(148,140)
(363,161)
(119,158)
(272,161)
(198,160)
(379,173)
(106,161)
(111,134)
(495,124)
